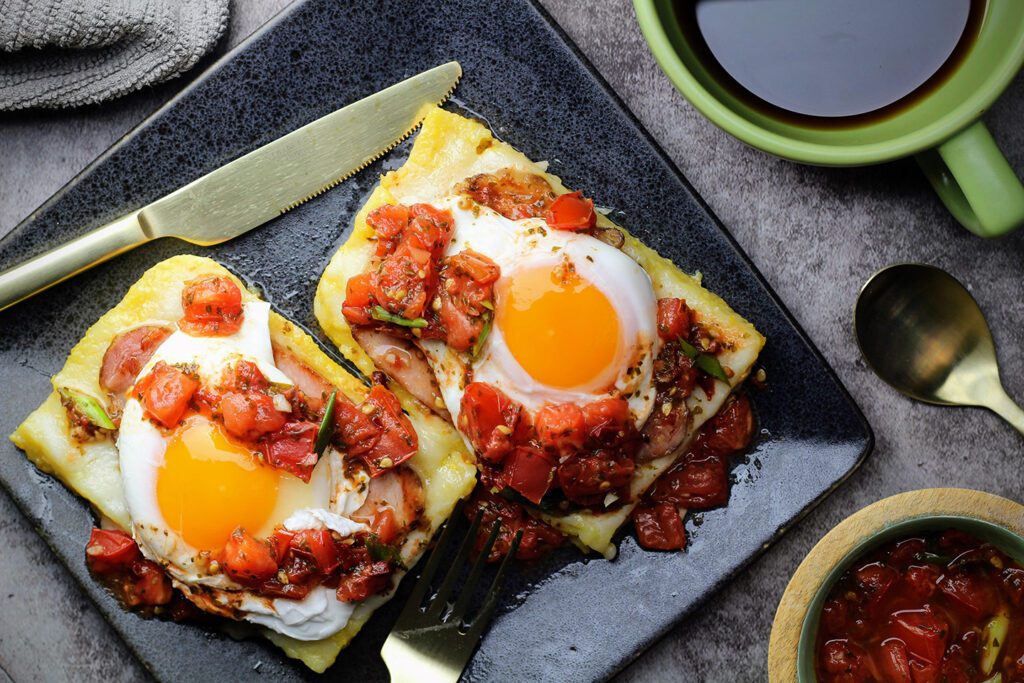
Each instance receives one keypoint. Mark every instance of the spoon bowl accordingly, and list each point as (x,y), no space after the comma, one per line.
(923,333)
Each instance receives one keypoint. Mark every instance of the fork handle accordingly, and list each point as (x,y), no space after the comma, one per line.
(46,270)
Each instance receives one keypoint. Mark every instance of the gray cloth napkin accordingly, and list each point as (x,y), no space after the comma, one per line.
(65,53)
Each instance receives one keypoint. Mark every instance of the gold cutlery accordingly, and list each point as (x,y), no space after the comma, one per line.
(922,332)
(253,189)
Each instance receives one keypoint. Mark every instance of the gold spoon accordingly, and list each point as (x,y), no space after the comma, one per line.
(923,333)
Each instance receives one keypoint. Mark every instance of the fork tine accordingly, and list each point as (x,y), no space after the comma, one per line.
(483,618)
(440,599)
(459,610)
(423,583)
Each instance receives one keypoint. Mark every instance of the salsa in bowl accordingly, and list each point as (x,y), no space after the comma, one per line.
(922,587)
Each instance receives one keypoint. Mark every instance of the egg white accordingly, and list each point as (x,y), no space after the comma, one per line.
(324,502)
(526,244)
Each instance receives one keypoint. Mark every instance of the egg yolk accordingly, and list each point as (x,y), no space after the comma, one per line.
(208,486)
(559,327)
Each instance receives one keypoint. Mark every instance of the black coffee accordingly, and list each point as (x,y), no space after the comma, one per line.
(832,58)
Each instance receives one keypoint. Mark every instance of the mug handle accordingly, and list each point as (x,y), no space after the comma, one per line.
(975,182)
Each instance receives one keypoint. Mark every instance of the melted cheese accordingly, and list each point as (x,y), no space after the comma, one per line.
(91,469)
(451,148)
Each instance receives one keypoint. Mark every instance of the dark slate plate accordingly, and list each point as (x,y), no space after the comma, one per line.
(566,618)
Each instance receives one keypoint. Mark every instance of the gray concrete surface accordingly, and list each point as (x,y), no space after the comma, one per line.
(816,234)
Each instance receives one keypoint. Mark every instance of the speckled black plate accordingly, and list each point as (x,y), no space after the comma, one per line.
(566,618)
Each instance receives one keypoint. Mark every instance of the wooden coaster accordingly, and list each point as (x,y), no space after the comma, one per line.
(854,530)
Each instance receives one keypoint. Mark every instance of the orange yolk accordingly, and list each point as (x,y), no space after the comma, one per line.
(559,327)
(208,486)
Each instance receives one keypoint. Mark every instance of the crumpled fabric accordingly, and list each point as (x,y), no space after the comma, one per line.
(68,53)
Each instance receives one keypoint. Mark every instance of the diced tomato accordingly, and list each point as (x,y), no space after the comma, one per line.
(388,221)
(571,211)
(538,538)
(696,482)
(970,593)
(147,584)
(955,541)
(247,376)
(250,415)
(288,591)
(353,428)
(659,527)
(893,662)
(318,545)
(924,633)
(673,319)
(489,418)
(281,542)
(110,551)
(956,670)
(403,281)
(607,421)
(213,306)
(1013,581)
(834,616)
(430,229)
(246,559)
(359,299)
(588,478)
(730,430)
(903,553)
(165,393)
(127,354)
(920,672)
(530,472)
(466,292)
(384,526)
(513,194)
(842,657)
(291,448)
(920,581)
(561,428)
(875,580)
(367,580)
(396,440)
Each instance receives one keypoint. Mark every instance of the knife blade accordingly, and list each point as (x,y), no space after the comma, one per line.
(254,188)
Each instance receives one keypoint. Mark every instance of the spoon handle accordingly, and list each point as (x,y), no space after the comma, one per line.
(1003,406)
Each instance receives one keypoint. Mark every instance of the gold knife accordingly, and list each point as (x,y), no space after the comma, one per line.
(253,189)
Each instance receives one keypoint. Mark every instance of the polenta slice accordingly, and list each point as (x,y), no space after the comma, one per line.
(451,149)
(90,467)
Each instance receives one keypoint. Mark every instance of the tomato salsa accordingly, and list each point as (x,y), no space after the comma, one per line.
(941,607)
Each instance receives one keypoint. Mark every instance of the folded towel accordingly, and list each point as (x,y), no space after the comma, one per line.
(66,53)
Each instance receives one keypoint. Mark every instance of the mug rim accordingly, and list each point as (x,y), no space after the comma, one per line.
(938,131)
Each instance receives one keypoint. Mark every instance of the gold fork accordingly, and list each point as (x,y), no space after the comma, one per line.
(433,642)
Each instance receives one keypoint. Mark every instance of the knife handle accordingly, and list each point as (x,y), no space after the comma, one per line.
(46,270)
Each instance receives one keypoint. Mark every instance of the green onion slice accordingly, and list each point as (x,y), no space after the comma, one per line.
(382,552)
(478,345)
(705,361)
(383,315)
(90,407)
(326,431)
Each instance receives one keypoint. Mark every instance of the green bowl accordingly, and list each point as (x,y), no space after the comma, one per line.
(794,631)
(1004,539)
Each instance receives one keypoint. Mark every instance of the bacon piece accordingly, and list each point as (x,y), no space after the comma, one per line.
(404,363)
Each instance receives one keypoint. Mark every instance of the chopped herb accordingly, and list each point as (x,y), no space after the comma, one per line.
(478,345)
(705,361)
(89,407)
(381,314)
(326,431)
(382,552)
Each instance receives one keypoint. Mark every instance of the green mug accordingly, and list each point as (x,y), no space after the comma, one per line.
(942,128)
